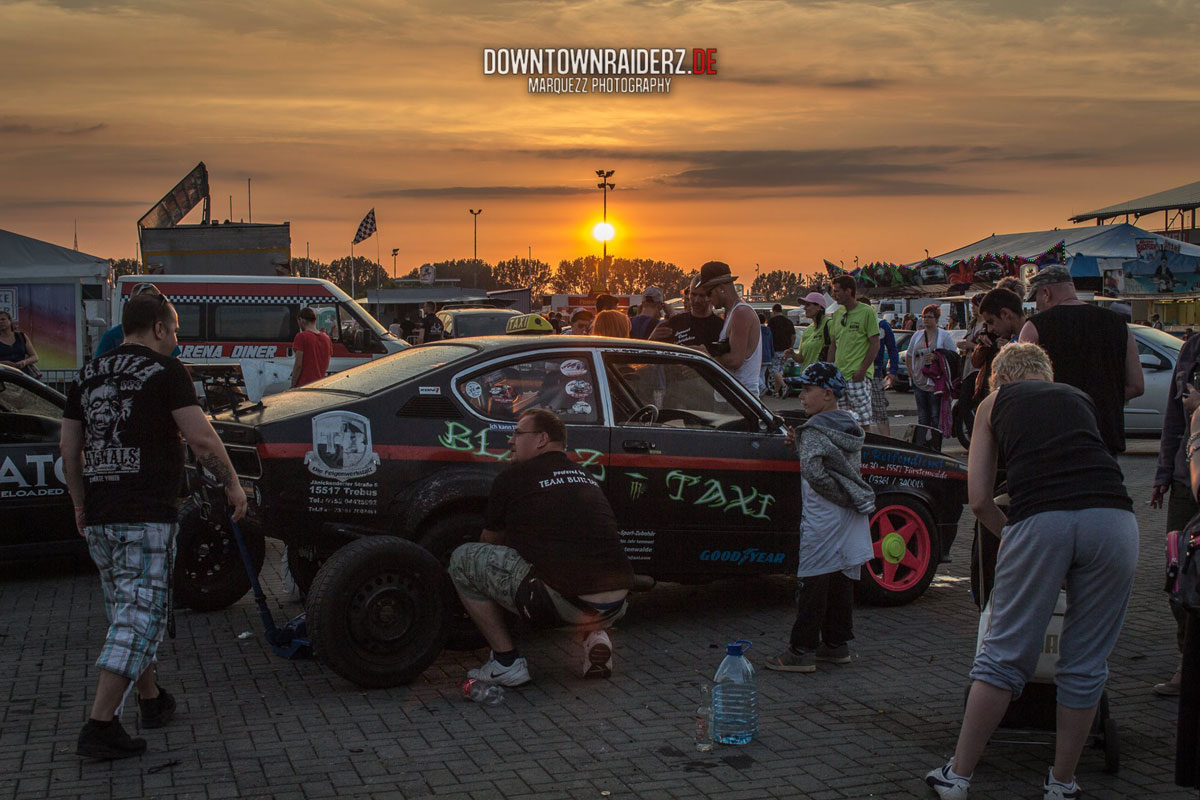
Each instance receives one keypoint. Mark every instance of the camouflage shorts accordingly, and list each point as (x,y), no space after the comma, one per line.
(134,565)
(494,572)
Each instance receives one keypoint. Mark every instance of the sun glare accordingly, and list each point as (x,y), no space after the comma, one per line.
(603,232)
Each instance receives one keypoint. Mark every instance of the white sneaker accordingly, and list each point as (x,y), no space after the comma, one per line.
(597,655)
(494,672)
(1053,790)
(947,786)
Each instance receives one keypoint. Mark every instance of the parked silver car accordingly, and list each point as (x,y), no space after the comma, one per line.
(1158,351)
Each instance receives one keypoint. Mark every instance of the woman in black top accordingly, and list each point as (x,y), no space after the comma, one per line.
(15,348)
(1070,520)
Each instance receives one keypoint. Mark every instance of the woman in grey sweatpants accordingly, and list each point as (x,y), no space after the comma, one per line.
(1070,523)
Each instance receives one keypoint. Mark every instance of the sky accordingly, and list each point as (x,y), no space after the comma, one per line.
(835,129)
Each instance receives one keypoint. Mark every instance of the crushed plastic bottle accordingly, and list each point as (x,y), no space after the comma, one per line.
(704,740)
(482,692)
(735,697)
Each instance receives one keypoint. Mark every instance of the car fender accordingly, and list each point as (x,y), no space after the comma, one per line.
(458,486)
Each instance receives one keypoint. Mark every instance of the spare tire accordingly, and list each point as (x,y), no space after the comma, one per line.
(377,611)
(209,573)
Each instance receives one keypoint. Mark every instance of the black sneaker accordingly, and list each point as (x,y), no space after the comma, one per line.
(157,712)
(107,740)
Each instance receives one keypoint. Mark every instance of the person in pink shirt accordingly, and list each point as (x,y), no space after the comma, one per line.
(313,350)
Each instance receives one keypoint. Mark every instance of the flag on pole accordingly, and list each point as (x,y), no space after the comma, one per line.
(365,228)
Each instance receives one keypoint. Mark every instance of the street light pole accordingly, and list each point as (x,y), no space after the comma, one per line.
(475,260)
(604,185)
(395,252)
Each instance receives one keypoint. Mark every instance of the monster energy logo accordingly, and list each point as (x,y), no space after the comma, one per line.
(637,487)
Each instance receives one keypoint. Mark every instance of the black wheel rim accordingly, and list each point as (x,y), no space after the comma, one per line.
(383,612)
(212,554)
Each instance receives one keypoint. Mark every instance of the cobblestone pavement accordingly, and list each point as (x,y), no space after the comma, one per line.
(252,725)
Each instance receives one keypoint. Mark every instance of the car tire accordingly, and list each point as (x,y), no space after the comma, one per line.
(209,573)
(905,552)
(377,611)
(441,539)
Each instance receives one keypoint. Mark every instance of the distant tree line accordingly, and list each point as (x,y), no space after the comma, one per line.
(577,276)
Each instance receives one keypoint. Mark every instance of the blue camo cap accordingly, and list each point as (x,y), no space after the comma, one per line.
(826,376)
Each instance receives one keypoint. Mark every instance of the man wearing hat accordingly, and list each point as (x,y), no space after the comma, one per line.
(651,307)
(695,327)
(737,346)
(581,322)
(1091,349)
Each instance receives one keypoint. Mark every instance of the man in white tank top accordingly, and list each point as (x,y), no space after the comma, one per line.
(738,346)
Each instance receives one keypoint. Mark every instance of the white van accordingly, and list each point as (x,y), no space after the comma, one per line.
(251,320)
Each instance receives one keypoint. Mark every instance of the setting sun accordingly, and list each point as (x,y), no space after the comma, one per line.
(603,232)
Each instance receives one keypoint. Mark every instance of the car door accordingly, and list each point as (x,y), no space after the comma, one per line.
(701,479)
(37,511)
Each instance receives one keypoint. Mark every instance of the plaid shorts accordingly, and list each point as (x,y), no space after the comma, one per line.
(879,401)
(857,400)
(134,564)
(483,571)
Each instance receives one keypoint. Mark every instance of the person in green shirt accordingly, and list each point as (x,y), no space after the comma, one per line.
(854,329)
(816,338)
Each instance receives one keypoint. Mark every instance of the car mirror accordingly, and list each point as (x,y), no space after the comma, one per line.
(1151,361)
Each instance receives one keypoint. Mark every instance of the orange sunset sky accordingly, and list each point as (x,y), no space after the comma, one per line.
(833,129)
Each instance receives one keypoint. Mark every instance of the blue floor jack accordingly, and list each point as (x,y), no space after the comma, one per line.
(290,641)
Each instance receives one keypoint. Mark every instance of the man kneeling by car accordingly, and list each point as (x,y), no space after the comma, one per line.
(549,552)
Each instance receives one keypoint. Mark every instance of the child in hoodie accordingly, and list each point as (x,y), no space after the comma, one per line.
(835,533)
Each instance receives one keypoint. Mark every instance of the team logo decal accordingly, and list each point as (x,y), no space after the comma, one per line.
(341,446)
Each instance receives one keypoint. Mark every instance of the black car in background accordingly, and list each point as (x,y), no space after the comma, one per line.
(374,475)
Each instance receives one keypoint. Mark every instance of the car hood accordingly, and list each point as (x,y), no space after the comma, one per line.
(288,405)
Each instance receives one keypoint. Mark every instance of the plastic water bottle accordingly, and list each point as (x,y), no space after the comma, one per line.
(704,740)
(482,692)
(735,697)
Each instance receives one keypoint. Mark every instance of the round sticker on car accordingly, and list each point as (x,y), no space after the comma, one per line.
(473,390)
(573,368)
(581,407)
(579,388)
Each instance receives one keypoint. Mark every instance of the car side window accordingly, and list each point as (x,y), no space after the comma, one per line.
(255,323)
(27,417)
(678,394)
(565,384)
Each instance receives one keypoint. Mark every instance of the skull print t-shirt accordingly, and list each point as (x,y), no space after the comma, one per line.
(132,453)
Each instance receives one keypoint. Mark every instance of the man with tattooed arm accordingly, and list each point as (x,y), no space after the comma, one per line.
(123,462)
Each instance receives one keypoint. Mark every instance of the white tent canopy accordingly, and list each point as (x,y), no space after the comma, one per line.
(1100,241)
(26,259)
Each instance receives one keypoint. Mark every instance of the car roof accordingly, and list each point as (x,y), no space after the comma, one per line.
(475,310)
(523,342)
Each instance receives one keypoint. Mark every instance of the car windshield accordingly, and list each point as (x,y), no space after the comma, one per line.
(391,370)
(480,324)
(1159,338)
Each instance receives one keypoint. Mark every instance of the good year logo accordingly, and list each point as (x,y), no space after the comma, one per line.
(751,555)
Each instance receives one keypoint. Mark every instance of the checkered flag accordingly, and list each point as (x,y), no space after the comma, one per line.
(365,228)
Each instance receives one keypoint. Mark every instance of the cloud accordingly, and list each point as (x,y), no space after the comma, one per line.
(474,191)
(27,129)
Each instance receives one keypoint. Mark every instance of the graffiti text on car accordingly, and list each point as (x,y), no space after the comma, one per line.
(461,438)
(715,494)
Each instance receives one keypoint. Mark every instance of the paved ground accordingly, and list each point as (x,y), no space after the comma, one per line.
(251,725)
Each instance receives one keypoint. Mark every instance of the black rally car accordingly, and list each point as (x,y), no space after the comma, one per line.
(697,470)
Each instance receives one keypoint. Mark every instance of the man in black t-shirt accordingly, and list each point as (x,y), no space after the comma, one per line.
(531,561)
(1091,349)
(697,326)
(123,464)
(783,337)
(430,329)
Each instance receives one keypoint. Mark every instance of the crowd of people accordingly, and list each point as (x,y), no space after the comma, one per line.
(1049,391)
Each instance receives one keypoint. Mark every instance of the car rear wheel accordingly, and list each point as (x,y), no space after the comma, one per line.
(902,535)
(209,573)
(377,611)
(441,540)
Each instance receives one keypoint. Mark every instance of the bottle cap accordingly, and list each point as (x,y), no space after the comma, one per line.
(737,649)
